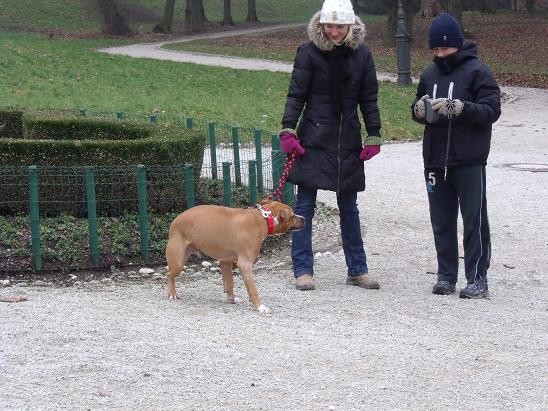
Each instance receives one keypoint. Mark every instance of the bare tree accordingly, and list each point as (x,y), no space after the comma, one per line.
(429,8)
(530,6)
(196,21)
(486,6)
(227,14)
(188,25)
(202,12)
(165,26)
(114,22)
(251,12)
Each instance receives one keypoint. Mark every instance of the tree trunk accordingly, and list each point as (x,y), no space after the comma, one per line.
(454,8)
(429,8)
(486,6)
(196,22)
(188,23)
(251,12)
(113,20)
(530,6)
(165,26)
(202,12)
(227,14)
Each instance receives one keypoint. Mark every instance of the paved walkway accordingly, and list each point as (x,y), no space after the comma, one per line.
(157,51)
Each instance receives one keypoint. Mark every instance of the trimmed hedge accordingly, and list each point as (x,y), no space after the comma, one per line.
(63,139)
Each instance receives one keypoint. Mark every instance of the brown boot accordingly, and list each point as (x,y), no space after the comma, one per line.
(363,281)
(305,282)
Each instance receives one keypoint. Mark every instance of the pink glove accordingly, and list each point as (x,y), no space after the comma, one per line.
(369,152)
(290,143)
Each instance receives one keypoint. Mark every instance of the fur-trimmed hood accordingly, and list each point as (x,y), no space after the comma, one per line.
(317,36)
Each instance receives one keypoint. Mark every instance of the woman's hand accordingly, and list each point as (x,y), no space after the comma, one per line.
(289,143)
(369,151)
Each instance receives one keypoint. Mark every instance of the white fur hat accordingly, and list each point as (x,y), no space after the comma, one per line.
(337,12)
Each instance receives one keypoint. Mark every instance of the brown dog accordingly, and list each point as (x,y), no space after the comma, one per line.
(231,235)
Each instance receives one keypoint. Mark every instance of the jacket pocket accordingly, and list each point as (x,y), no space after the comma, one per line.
(317,134)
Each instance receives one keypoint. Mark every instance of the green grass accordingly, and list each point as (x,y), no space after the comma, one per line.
(240,50)
(64,15)
(38,72)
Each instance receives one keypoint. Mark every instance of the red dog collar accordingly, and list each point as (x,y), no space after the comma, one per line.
(267,214)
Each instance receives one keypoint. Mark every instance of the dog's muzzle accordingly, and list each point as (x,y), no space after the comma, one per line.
(298,223)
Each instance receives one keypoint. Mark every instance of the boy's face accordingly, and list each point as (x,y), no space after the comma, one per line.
(443,52)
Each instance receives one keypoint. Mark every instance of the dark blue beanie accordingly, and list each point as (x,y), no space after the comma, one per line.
(445,32)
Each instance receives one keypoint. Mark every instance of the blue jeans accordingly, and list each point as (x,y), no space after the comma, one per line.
(301,247)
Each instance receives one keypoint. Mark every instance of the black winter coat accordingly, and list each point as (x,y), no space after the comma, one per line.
(476,87)
(332,141)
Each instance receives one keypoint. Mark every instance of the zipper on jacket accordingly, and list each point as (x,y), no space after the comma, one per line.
(339,155)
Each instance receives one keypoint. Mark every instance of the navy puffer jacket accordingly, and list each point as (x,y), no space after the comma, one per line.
(332,141)
(473,84)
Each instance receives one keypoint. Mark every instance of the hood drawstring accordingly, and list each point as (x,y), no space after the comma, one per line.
(449,116)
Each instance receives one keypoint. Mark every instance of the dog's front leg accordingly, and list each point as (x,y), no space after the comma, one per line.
(246,273)
(228,282)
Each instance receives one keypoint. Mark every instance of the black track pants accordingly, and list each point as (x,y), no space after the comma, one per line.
(464,187)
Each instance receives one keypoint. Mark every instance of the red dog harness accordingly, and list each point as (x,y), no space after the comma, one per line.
(266,212)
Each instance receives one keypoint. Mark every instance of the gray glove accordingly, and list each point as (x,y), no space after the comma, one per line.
(447,107)
(420,108)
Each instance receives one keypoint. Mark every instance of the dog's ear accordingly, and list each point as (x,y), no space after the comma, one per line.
(285,215)
(264,201)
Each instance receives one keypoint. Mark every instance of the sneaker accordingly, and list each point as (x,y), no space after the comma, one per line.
(363,281)
(305,282)
(443,288)
(478,289)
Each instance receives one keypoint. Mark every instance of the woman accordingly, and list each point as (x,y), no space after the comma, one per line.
(333,75)
(457,135)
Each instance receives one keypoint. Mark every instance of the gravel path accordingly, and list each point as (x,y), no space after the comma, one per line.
(157,51)
(122,345)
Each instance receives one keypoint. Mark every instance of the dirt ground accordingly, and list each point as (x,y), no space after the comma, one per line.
(121,344)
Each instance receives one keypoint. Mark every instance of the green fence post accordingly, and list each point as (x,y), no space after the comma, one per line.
(143,215)
(189,186)
(212,149)
(236,149)
(259,160)
(277,167)
(92,216)
(120,115)
(252,181)
(34,206)
(82,111)
(189,122)
(276,142)
(153,118)
(227,185)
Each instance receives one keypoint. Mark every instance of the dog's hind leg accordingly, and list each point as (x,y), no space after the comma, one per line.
(228,281)
(177,254)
